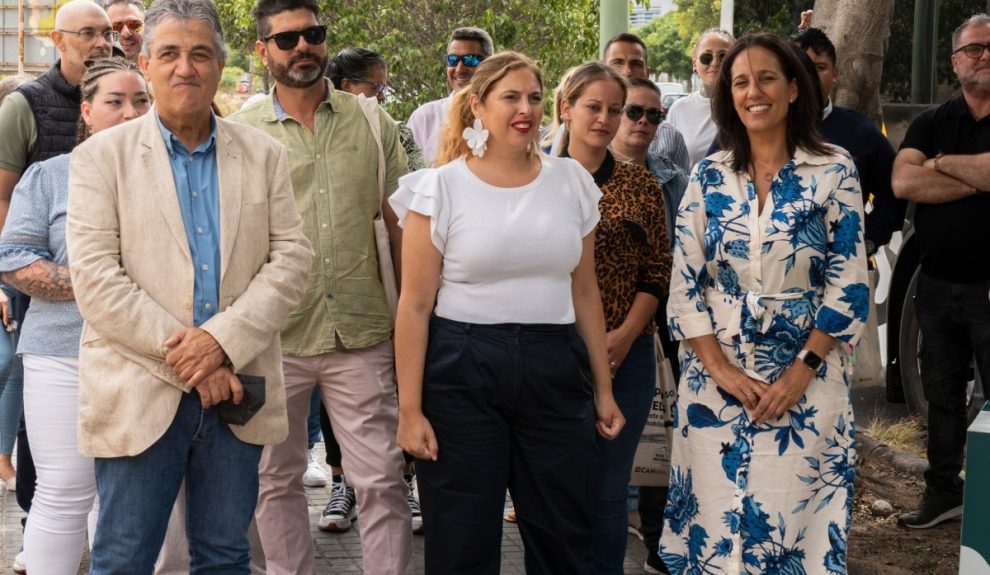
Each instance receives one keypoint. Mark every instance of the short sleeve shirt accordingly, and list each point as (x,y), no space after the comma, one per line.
(953,236)
(19,132)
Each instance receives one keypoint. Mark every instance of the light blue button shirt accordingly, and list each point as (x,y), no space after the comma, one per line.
(198,188)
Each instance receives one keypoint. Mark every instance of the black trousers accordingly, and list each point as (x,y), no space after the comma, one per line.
(512,406)
(653,500)
(955,325)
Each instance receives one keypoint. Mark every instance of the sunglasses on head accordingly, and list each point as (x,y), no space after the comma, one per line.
(314,36)
(707,58)
(653,115)
(470,60)
(132,25)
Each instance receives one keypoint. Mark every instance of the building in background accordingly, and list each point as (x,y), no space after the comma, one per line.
(639,15)
(32,50)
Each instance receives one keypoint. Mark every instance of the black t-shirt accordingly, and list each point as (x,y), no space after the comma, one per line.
(954,237)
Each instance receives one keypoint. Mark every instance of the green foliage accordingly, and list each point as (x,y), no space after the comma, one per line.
(412,36)
(694,17)
(896,80)
(775,16)
(667,51)
(230,77)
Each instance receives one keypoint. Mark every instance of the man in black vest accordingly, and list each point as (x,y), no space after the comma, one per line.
(944,167)
(38,121)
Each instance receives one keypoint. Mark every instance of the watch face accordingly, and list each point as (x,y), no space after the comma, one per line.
(812,360)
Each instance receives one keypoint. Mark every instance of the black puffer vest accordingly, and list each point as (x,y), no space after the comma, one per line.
(55,105)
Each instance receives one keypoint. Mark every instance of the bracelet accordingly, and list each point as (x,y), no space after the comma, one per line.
(937,167)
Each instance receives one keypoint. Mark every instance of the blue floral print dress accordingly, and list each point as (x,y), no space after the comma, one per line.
(774,498)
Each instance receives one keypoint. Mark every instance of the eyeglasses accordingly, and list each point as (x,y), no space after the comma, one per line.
(707,58)
(470,60)
(132,25)
(653,115)
(377,86)
(90,35)
(314,36)
(973,51)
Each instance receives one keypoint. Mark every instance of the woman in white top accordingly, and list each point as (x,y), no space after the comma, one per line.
(504,383)
(692,114)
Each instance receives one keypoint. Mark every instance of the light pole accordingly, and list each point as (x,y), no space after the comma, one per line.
(726,20)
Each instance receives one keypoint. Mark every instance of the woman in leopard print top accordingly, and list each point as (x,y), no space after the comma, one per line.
(632,260)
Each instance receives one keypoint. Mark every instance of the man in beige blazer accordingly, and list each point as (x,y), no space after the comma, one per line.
(187,255)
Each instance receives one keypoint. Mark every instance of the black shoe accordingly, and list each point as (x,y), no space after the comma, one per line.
(934,509)
(654,565)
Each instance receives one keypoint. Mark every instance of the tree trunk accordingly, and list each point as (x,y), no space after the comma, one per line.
(860,30)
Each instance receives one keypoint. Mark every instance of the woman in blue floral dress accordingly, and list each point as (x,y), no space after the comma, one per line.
(768,287)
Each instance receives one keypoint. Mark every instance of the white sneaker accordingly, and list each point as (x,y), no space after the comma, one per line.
(20,567)
(315,476)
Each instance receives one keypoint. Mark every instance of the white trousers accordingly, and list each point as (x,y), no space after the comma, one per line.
(56,526)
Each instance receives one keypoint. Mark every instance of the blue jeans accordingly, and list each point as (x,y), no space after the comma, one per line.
(137,493)
(955,326)
(633,386)
(11,376)
(313,423)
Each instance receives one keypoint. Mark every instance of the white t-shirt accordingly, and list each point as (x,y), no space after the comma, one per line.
(692,116)
(425,123)
(508,253)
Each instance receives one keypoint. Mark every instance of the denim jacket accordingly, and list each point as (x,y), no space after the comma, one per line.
(674,181)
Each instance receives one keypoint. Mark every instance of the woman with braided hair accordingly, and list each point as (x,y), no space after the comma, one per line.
(34,260)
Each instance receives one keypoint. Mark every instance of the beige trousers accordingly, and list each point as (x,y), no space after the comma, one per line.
(358,389)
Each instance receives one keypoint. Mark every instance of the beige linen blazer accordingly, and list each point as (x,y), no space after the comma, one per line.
(132,273)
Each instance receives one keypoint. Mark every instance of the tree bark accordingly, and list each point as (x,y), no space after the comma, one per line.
(860,30)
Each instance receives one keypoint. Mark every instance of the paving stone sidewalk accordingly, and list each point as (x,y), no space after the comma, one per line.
(335,553)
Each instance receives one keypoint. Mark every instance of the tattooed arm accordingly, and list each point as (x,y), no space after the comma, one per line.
(42,279)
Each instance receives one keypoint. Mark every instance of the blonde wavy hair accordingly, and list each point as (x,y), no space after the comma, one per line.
(571,87)
(489,72)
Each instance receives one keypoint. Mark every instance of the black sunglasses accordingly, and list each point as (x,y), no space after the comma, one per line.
(314,36)
(707,57)
(653,115)
(470,60)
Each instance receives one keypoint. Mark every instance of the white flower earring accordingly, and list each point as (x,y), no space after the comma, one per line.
(476,137)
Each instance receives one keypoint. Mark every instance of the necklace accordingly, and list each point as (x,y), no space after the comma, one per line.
(767,176)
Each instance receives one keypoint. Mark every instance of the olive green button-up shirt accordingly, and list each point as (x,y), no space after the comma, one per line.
(335,182)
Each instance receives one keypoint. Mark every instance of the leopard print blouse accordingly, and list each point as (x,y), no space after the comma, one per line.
(632,253)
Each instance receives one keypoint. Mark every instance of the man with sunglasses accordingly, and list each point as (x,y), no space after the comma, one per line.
(339,339)
(127,20)
(626,54)
(944,167)
(467,48)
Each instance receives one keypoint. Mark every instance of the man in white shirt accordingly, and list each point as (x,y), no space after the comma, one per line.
(468,47)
